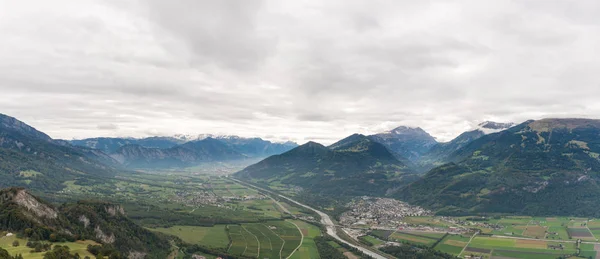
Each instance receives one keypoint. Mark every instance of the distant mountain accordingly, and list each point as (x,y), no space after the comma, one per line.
(111,145)
(182,150)
(257,147)
(194,153)
(544,167)
(102,222)
(30,158)
(439,153)
(408,142)
(357,166)
(191,137)
(185,155)
(488,127)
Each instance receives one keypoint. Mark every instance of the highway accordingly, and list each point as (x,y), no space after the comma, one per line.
(325,220)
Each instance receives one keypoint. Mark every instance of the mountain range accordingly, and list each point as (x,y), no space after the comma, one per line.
(32,159)
(542,167)
(182,150)
(539,167)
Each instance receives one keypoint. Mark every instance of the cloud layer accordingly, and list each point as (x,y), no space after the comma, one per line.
(299,70)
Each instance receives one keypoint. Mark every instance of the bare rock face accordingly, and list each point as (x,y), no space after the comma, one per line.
(106,239)
(114,210)
(83,219)
(33,205)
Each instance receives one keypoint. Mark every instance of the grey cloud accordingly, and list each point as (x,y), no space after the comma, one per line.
(108,126)
(300,70)
(220,32)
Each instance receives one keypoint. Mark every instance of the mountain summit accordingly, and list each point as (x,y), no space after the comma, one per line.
(408,142)
(356,166)
(488,127)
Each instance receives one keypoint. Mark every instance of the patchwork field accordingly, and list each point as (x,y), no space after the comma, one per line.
(519,248)
(535,231)
(427,221)
(580,233)
(453,244)
(433,235)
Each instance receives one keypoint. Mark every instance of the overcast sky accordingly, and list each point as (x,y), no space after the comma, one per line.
(300,70)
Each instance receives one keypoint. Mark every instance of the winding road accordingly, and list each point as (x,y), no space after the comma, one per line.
(325,220)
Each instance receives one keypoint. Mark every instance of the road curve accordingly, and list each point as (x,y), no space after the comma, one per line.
(325,220)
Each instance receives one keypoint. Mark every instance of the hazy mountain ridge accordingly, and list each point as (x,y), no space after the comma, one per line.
(183,151)
(111,145)
(196,152)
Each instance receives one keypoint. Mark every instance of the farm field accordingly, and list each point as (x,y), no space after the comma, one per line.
(373,240)
(519,248)
(381,234)
(434,235)
(427,221)
(273,239)
(79,247)
(308,249)
(453,244)
(506,237)
(215,236)
(412,238)
(580,233)
(266,207)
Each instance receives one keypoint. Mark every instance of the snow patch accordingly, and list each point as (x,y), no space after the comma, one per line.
(490,127)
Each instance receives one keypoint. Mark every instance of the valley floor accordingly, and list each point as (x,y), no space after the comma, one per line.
(225,215)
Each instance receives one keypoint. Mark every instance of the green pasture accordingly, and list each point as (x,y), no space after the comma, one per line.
(215,236)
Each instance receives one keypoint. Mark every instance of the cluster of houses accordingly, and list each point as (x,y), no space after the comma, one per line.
(382,212)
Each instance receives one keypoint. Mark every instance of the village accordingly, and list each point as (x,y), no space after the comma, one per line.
(379,212)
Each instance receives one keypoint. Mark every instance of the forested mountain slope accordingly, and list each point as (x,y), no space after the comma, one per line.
(359,166)
(31,158)
(549,166)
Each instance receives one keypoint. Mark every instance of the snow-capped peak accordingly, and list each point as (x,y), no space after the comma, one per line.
(404,130)
(189,137)
(489,127)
